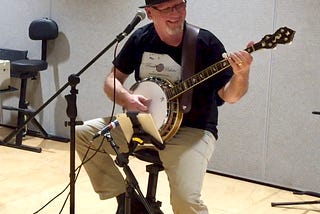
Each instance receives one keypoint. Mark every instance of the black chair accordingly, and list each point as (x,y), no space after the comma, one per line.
(151,156)
(21,67)
(132,203)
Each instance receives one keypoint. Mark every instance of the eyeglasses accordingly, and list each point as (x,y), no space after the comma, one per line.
(178,7)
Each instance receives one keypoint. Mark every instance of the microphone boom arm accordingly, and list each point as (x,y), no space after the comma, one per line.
(7,139)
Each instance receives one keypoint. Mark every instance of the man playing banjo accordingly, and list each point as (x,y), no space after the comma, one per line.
(155,55)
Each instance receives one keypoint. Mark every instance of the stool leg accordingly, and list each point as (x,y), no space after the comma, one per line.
(22,105)
(20,121)
(24,114)
(153,170)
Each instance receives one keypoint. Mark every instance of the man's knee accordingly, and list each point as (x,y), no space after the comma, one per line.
(184,202)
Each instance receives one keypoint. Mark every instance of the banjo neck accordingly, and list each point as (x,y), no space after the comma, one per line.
(183,86)
(283,35)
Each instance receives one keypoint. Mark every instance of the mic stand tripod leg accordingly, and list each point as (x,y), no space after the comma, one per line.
(274,204)
(315,194)
(132,183)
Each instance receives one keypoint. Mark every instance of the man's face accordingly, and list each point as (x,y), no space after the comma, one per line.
(168,17)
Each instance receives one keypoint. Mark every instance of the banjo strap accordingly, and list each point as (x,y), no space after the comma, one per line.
(188,63)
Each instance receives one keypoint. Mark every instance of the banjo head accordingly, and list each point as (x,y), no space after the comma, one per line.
(166,114)
(158,105)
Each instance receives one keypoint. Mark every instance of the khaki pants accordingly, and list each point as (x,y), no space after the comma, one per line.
(185,161)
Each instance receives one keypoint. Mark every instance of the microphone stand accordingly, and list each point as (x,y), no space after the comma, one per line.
(314,194)
(72,113)
(139,137)
(132,183)
(71,98)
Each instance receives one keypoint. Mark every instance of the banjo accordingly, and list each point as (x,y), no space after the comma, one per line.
(165,108)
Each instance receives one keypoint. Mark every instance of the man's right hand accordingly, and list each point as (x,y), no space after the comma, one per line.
(135,102)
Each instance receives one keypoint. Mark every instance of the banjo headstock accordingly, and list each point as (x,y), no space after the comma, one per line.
(283,35)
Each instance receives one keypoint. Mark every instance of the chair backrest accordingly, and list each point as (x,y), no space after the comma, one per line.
(43,29)
(12,55)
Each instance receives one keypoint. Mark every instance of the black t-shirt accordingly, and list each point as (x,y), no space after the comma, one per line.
(144,48)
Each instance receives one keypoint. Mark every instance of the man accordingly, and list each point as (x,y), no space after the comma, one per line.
(186,155)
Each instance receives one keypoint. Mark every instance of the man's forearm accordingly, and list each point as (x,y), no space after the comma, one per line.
(236,88)
(115,90)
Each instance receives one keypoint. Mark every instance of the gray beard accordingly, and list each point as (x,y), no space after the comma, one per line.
(175,31)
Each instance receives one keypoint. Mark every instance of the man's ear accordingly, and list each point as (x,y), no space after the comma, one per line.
(148,12)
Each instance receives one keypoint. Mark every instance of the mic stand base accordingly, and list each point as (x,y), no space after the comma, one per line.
(275,204)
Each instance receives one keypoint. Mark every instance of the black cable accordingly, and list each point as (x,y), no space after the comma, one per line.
(76,170)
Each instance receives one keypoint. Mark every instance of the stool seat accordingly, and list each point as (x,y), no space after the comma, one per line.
(25,68)
(148,155)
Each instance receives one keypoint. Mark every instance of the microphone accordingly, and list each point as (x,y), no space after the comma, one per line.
(138,18)
(107,128)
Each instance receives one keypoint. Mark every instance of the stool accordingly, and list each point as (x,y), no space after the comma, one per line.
(151,156)
(21,67)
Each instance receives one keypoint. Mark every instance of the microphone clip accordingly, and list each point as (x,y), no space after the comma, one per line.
(140,15)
